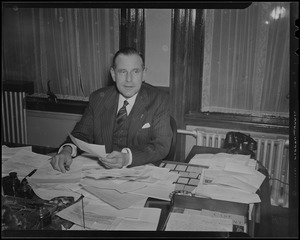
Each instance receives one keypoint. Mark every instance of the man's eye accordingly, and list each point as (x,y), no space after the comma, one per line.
(122,71)
(136,70)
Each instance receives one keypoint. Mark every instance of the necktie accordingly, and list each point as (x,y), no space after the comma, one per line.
(122,114)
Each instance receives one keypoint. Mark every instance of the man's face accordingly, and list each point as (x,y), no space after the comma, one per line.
(128,74)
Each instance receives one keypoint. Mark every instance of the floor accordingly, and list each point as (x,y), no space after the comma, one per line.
(280,222)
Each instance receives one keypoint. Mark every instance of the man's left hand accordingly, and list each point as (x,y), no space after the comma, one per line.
(115,160)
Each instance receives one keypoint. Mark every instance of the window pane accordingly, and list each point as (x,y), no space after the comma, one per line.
(246,60)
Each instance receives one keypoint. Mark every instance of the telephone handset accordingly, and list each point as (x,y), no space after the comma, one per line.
(240,143)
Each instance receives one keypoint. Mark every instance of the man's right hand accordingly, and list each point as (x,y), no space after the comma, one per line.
(63,160)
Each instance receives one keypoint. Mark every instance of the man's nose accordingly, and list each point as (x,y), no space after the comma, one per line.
(129,77)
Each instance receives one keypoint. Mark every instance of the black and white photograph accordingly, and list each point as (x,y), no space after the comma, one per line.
(150,119)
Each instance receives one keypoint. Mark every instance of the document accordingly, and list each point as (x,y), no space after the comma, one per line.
(8,152)
(226,193)
(46,174)
(193,222)
(94,149)
(98,217)
(160,190)
(219,160)
(123,187)
(247,182)
(24,162)
(114,198)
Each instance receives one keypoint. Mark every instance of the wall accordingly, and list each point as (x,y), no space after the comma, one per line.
(49,128)
(157,46)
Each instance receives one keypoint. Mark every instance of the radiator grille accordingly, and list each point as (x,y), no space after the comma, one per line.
(272,152)
(13,117)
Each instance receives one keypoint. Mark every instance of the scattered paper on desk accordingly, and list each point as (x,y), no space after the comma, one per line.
(114,198)
(94,149)
(145,173)
(160,190)
(47,174)
(99,217)
(134,173)
(23,162)
(193,222)
(238,168)
(8,152)
(148,221)
(127,186)
(219,160)
(246,182)
(226,193)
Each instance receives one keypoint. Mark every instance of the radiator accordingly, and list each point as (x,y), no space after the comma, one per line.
(13,117)
(272,151)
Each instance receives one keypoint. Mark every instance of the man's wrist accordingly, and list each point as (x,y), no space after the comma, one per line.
(73,149)
(128,156)
(68,149)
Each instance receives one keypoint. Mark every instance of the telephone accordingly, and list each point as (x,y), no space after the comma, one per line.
(240,143)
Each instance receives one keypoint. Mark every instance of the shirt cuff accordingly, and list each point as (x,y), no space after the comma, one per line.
(127,150)
(74,149)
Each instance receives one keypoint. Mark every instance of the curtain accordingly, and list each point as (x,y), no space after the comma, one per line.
(186,66)
(246,60)
(70,48)
(133,29)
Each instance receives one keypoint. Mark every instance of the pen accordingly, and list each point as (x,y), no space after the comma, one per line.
(31,173)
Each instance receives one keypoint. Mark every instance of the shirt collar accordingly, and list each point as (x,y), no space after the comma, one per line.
(131,100)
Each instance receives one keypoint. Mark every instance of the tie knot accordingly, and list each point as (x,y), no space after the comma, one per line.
(125,103)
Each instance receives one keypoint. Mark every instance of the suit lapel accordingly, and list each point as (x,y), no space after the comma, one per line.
(109,116)
(138,113)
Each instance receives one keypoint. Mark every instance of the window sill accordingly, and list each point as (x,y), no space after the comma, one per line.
(63,105)
(240,122)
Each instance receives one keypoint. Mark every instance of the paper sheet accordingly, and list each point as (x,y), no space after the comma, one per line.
(47,174)
(99,217)
(114,198)
(94,149)
(219,160)
(246,182)
(192,222)
(160,190)
(23,162)
(127,186)
(8,152)
(226,193)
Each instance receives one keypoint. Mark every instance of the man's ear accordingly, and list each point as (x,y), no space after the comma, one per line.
(112,73)
(144,74)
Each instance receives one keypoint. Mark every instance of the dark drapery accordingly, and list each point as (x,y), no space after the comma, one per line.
(132,29)
(186,65)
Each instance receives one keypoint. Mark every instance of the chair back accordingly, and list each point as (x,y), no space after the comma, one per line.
(171,154)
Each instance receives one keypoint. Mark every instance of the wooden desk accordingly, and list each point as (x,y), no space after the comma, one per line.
(262,229)
(263,209)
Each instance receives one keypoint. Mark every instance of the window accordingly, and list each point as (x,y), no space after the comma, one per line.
(71,48)
(246,60)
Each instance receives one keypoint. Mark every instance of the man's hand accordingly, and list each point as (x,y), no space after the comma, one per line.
(63,160)
(115,160)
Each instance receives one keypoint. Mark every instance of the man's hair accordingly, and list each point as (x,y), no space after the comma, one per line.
(128,51)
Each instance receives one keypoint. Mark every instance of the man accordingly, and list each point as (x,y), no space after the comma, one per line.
(140,136)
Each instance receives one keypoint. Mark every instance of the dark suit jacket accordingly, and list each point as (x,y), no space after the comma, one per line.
(148,145)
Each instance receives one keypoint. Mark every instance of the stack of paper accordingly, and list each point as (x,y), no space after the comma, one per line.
(23,162)
(114,199)
(123,187)
(229,177)
(93,216)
